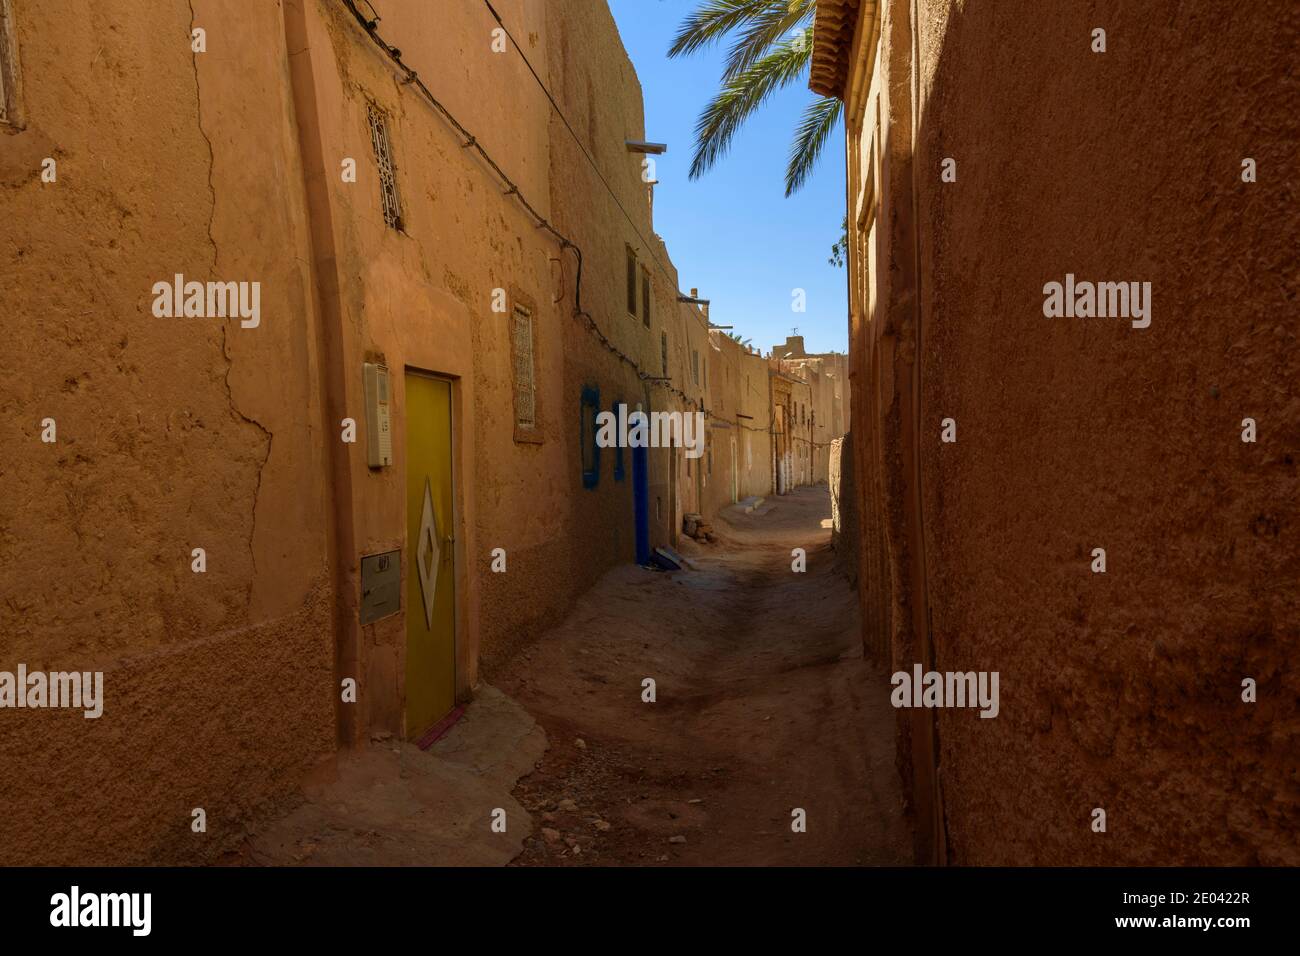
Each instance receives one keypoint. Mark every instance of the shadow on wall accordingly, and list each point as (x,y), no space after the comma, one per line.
(1122,690)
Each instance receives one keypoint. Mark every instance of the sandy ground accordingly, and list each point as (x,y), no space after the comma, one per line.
(764,704)
(392,804)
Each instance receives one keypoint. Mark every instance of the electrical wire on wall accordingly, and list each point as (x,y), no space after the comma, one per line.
(469,141)
(591,161)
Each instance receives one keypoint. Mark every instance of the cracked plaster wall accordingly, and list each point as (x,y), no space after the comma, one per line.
(172,434)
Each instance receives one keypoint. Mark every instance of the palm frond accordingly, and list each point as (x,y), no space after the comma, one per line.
(764,29)
(741,96)
(810,137)
(840,248)
(713,20)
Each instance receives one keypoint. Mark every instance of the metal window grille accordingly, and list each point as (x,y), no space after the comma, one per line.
(379,139)
(525,388)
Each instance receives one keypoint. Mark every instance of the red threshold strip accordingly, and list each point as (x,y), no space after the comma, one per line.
(439,730)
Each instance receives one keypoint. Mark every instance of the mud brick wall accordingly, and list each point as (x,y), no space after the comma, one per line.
(1121,690)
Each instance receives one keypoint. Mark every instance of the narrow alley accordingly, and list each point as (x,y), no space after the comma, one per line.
(613,433)
(763,704)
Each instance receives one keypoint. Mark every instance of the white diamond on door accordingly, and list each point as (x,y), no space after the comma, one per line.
(428,554)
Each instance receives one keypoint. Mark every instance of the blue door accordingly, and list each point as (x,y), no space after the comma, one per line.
(641,502)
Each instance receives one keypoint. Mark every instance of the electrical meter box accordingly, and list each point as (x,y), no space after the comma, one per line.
(381,585)
(379,429)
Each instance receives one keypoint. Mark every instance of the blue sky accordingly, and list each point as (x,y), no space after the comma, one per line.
(732,233)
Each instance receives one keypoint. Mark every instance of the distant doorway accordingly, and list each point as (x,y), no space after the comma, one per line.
(735,471)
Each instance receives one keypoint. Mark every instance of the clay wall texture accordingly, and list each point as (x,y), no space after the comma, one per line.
(723,394)
(172,434)
(601,99)
(754,436)
(1119,690)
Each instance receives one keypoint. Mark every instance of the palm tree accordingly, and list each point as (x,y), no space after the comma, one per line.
(771,50)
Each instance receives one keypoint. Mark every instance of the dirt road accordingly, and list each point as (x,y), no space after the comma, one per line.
(763,705)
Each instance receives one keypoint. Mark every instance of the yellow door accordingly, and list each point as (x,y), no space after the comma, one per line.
(430,577)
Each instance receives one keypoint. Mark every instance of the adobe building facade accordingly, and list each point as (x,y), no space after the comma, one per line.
(819,411)
(992,150)
(753,400)
(282,536)
(178,444)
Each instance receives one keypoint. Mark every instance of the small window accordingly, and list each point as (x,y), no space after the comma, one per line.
(524,366)
(8,67)
(631,281)
(645,297)
(381,141)
(663,351)
(695,366)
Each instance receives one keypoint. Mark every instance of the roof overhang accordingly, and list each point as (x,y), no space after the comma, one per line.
(833,30)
